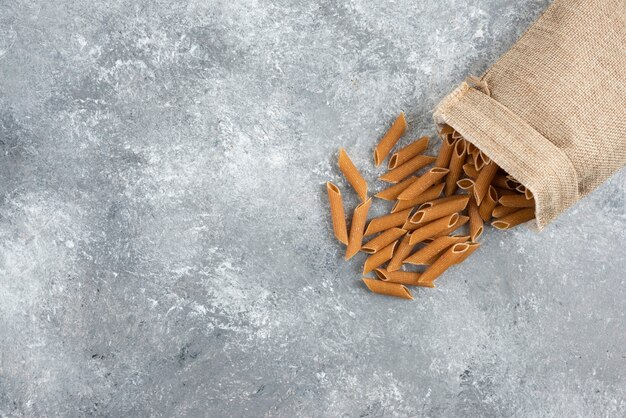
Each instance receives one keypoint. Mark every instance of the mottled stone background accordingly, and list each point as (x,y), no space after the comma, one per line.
(165,246)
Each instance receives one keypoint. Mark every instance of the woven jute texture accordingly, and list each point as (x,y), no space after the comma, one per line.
(552,110)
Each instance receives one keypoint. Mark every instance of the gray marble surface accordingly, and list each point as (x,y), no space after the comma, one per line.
(165,246)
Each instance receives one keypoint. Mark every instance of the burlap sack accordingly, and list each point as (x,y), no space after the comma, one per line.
(552,110)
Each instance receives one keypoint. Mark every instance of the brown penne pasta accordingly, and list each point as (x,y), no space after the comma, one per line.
(403,250)
(418,187)
(445,152)
(500,180)
(391,193)
(430,211)
(386,288)
(456,135)
(487,205)
(406,169)
(470,171)
(473,247)
(383,223)
(359,217)
(433,228)
(381,241)
(408,152)
(447,260)
(390,139)
(379,258)
(516,201)
(528,194)
(432,193)
(424,255)
(455,167)
(459,223)
(403,277)
(500,211)
(471,148)
(502,191)
(337,213)
(351,174)
(483,181)
(465,184)
(445,130)
(475,221)
(514,219)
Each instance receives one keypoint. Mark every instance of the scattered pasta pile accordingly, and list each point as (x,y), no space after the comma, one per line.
(474,189)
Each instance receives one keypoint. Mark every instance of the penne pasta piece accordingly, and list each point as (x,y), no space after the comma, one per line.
(456,135)
(489,202)
(447,260)
(500,211)
(406,169)
(483,181)
(424,255)
(500,180)
(528,194)
(403,250)
(446,130)
(516,201)
(432,193)
(403,277)
(484,157)
(471,148)
(445,152)
(459,223)
(521,189)
(379,258)
(337,213)
(351,174)
(390,139)
(391,193)
(473,247)
(386,288)
(359,217)
(502,192)
(514,219)
(470,171)
(433,228)
(418,187)
(405,154)
(383,223)
(444,200)
(465,184)
(455,167)
(475,221)
(430,211)
(381,241)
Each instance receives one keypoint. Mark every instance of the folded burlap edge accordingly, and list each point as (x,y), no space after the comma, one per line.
(515,146)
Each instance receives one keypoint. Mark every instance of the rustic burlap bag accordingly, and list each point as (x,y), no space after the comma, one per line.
(551,111)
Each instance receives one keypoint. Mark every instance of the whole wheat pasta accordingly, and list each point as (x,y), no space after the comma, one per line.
(475,220)
(389,140)
(446,130)
(359,217)
(445,200)
(471,148)
(447,260)
(459,223)
(351,174)
(408,152)
(433,228)
(456,135)
(381,241)
(482,156)
(386,288)
(424,255)
(514,219)
(486,206)
(337,213)
(432,193)
(470,171)
(403,250)
(528,194)
(431,211)
(500,180)
(391,193)
(521,189)
(500,211)
(379,258)
(473,247)
(503,192)
(445,152)
(428,179)
(516,201)
(406,169)
(482,183)
(402,277)
(455,167)
(465,184)
(383,223)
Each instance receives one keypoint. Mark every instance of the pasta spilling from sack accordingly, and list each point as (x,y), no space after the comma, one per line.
(419,240)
